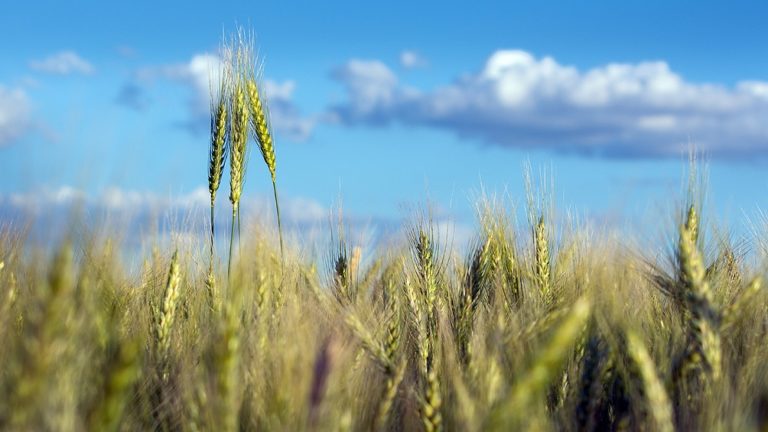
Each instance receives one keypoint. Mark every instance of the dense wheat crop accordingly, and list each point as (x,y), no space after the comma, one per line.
(532,327)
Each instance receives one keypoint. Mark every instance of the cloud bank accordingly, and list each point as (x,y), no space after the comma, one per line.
(518,100)
(297,210)
(63,63)
(137,215)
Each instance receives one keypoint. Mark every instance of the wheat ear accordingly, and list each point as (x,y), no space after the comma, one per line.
(218,148)
(732,311)
(658,400)
(263,136)
(375,349)
(388,399)
(237,152)
(541,245)
(167,313)
(227,363)
(703,330)
(45,326)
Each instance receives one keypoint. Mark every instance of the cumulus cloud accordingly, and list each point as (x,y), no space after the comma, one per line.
(373,90)
(412,60)
(63,63)
(53,212)
(519,100)
(15,113)
(198,73)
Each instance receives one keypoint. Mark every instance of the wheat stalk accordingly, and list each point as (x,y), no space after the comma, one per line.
(219,143)
(238,145)
(227,358)
(704,345)
(261,127)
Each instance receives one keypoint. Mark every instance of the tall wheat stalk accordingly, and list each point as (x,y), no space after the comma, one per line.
(217,157)
(261,128)
(427,266)
(219,142)
(238,151)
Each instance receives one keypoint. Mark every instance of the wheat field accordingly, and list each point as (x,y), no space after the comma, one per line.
(540,325)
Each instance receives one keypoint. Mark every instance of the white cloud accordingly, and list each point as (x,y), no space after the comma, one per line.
(519,100)
(204,69)
(198,73)
(15,114)
(63,63)
(303,210)
(279,91)
(412,60)
(371,88)
(34,202)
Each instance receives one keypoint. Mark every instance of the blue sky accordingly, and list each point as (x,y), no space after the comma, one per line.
(386,104)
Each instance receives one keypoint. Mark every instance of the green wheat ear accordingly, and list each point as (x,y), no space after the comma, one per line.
(238,151)
(219,144)
(260,125)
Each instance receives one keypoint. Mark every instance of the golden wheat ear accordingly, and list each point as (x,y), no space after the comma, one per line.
(262,134)
(166,314)
(238,149)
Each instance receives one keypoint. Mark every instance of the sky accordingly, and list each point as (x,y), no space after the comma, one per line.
(383,106)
